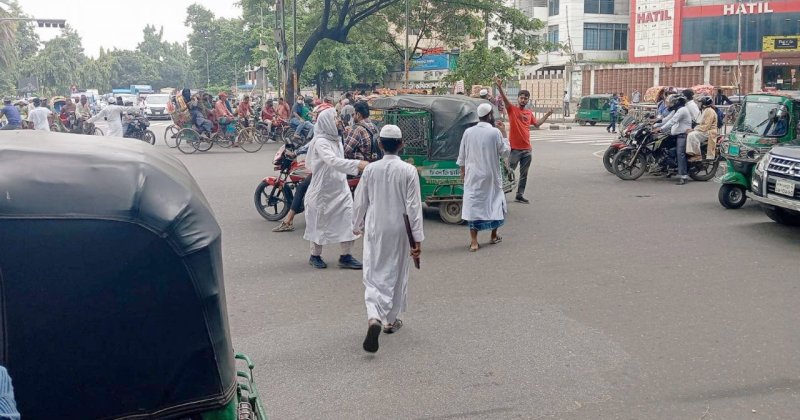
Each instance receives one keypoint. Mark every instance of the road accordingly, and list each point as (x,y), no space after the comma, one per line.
(606,299)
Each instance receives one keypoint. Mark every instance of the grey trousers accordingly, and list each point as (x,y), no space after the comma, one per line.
(524,159)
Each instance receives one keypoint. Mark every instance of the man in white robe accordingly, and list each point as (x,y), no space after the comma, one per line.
(484,205)
(328,201)
(113,114)
(388,190)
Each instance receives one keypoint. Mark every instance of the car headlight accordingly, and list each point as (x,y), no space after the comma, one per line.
(762,164)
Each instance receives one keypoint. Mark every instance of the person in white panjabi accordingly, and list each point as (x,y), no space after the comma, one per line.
(388,190)
(328,201)
(484,205)
(113,115)
(40,117)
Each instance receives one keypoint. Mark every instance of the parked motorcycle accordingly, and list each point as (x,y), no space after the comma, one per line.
(137,129)
(655,154)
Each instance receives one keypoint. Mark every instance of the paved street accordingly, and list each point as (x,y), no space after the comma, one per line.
(606,299)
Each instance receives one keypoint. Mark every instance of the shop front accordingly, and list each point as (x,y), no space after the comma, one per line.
(781,62)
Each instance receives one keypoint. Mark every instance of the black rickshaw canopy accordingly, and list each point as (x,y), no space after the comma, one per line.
(451,116)
(112,302)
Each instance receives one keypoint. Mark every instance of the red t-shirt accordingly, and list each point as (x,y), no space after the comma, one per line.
(521,120)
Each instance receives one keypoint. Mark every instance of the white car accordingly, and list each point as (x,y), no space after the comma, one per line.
(157,106)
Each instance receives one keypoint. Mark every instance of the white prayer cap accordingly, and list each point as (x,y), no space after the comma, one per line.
(391,132)
(484,110)
(483,92)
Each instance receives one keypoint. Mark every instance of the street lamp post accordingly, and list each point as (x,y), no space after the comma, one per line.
(739,51)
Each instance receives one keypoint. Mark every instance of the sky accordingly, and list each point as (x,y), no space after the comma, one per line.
(114,23)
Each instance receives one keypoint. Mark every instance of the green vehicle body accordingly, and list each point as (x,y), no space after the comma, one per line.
(748,140)
(440,180)
(594,109)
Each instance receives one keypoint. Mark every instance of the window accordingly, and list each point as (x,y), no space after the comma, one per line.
(552,7)
(602,7)
(605,37)
(552,35)
(714,35)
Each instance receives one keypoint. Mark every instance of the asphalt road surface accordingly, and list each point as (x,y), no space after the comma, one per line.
(606,299)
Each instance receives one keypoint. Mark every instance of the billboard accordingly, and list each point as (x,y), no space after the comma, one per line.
(27,85)
(430,62)
(787,43)
(654,27)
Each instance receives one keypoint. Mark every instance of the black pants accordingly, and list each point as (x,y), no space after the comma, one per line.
(300,195)
(523,158)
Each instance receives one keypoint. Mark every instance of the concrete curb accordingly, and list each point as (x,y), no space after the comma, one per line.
(560,127)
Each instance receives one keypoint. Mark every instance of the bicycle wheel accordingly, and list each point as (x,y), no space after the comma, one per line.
(204,143)
(247,139)
(98,132)
(171,136)
(222,140)
(185,140)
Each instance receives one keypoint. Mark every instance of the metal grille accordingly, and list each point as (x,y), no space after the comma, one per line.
(784,166)
(416,127)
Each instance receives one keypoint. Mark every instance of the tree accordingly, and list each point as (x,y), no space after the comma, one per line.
(225,43)
(58,64)
(479,65)
(24,41)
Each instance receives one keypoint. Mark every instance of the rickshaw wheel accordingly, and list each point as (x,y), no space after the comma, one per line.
(248,140)
(171,135)
(98,132)
(592,123)
(185,140)
(732,196)
(450,212)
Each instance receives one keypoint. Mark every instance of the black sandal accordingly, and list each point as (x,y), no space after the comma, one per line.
(393,328)
(371,341)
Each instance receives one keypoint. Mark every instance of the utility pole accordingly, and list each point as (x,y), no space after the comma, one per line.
(739,51)
(294,40)
(408,33)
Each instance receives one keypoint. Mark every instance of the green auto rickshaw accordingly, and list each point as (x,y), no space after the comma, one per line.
(765,120)
(596,108)
(432,128)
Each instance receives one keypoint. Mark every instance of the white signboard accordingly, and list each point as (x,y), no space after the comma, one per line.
(654,26)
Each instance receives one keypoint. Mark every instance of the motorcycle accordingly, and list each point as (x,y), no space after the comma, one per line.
(137,129)
(274,194)
(655,154)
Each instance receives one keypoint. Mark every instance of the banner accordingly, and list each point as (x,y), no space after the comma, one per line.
(430,62)
(28,85)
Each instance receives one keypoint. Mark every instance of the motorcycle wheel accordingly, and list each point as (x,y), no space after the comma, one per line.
(185,140)
(171,136)
(263,133)
(608,158)
(626,168)
(732,196)
(704,170)
(247,139)
(149,137)
(98,132)
(286,134)
(271,201)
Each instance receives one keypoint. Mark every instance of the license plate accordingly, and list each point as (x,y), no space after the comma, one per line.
(784,187)
(733,150)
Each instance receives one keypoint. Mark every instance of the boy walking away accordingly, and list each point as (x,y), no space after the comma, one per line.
(388,191)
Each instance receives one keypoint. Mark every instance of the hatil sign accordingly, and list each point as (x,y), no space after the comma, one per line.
(746,8)
(656,16)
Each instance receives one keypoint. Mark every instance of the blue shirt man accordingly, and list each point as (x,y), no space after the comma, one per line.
(12,115)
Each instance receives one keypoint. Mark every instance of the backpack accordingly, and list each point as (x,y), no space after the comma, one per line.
(720,118)
(375,151)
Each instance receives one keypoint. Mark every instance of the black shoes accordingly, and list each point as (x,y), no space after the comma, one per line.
(347,261)
(316,262)
(521,199)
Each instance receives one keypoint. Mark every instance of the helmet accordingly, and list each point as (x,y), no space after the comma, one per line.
(675,101)
(705,101)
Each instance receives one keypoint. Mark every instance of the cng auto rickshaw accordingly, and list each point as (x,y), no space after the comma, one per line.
(432,127)
(596,108)
(112,303)
(765,120)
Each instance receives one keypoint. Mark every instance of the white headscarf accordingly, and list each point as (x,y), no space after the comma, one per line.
(325,126)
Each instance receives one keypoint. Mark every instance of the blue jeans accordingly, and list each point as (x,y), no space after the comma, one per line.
(10,127)
(680,144)
(301,128)
(613,124)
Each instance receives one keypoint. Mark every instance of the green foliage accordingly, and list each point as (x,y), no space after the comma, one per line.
(479,65)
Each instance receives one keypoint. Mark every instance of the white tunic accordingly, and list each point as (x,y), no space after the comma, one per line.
(388,189)
(113,114)
(328,201)
(482,147)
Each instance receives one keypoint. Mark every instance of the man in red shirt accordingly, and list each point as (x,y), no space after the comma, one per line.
(519,136)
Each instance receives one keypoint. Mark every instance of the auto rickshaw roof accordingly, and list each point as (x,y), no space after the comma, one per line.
(451,115)
(793,95)
(58,175)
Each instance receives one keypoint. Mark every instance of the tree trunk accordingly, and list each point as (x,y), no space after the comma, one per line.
(302,58)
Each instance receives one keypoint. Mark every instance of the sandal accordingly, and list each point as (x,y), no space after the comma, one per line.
(284,227)
(496,240)
(393,328)
(471,249)
(371,341)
